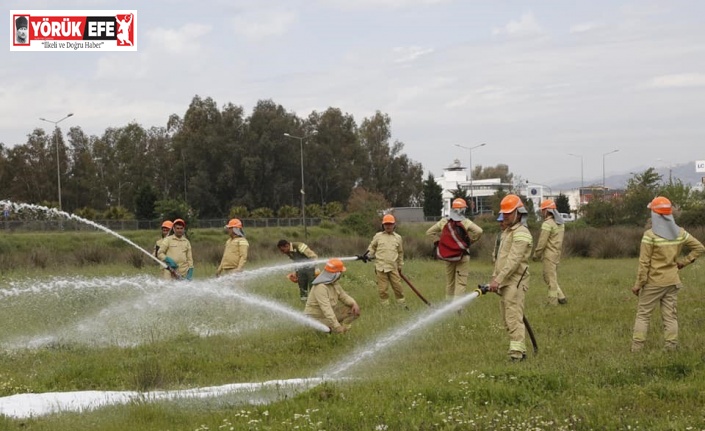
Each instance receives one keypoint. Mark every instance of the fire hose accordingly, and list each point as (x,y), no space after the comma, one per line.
(484,288)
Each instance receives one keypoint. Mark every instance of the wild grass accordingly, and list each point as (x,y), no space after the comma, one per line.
(451,375)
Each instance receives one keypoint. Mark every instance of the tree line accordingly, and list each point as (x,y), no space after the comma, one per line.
(214,161)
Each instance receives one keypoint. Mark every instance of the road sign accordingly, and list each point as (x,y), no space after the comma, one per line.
(700,166)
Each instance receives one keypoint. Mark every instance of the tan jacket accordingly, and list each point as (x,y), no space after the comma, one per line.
(550,241)
(513,256)
(178,249)
(659,258)
(474,231)
(322,301)
(299,251)
(158,245)
(235,254)
(388,251)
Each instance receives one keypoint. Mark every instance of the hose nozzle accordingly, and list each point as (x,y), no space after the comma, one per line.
(482,289)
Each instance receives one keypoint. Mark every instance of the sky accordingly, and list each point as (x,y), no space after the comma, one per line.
(535,81)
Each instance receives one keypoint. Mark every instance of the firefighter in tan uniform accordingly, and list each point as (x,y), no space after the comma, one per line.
(387,250)
(175,251)
(510,278)
(453,236)
(657,280)
(166,228)
(300,252)
(327,301)
(549,249)
(236,248)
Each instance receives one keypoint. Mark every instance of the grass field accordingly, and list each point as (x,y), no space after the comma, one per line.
(109,327)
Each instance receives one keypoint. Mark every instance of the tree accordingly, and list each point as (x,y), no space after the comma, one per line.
(563,204)
(145,200)
(500,171)
(432,197)
(641,189)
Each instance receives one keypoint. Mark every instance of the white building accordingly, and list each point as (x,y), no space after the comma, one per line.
(479,191)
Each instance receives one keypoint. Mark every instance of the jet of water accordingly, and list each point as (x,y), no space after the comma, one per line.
(395,335)
(54,212)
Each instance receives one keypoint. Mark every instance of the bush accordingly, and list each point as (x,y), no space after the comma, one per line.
(692,217)
(262,212)
(287,211)
(363,224)
(239,212)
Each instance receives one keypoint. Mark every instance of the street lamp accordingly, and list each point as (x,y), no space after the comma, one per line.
(470,168)
(303,193)
(58,167)
(603,167)
(582,178)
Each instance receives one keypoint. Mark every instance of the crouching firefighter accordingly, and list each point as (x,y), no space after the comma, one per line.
(453,237)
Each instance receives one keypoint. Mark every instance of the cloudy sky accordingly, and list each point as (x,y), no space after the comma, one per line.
(534,80)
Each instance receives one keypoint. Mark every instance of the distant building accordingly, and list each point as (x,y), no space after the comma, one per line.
(479,191)
(408,214)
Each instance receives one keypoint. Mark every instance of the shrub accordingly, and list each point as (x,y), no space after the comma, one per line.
(287,211)
(262,212)
(238,212)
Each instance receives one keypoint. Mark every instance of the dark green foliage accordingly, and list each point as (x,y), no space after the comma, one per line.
(432,197)
(563,204)
(171,209)
(145,200)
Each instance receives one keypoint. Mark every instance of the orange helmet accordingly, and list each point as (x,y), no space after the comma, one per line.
(167,224)
(388,219)
(661,205)
(548,204)
(335,265)
(459,203)
(510,203)
(234,223)
(180,221)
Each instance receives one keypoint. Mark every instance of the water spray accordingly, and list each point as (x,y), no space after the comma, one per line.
(55,212)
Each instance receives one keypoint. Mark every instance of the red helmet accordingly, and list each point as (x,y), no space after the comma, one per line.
(180,221)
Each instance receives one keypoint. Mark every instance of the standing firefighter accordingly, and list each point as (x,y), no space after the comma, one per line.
(549,249)
(388,251)
(657,280)
(300,252)
(236,248)
(510,278)
(175,251)
(453,236)
(166,229)
(328,302)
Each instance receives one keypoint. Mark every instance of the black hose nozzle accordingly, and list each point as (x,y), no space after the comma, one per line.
(483,288)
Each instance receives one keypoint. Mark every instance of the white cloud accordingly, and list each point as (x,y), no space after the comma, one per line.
(186,38)
(586,26)
(525,26)
(261,24)
(388,4)
(681,80)
(410,53)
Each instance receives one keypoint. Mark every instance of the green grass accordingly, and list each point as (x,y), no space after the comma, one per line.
(451,375)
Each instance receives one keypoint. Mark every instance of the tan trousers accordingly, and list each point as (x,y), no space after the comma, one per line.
(342,312)
(511,308)
(550,276)
(457,278)
(649,298)
(384,279)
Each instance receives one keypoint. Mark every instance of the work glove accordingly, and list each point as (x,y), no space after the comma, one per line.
(170,263)
(189,274)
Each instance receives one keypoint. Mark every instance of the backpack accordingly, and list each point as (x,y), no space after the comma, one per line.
(454,242)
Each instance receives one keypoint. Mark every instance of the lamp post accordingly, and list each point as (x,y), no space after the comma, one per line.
(470,167)
(582,178)
(303,193)
(58,166)
(603,168)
